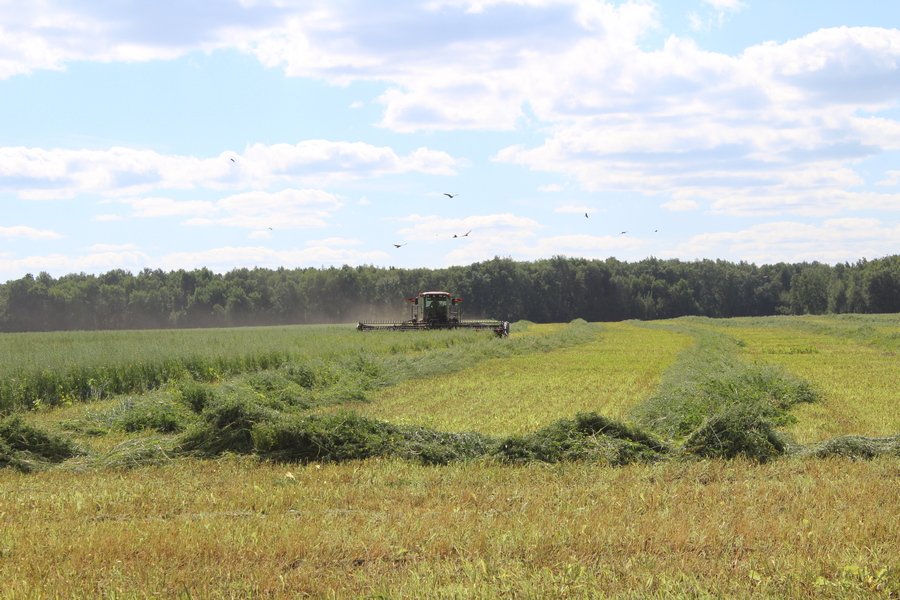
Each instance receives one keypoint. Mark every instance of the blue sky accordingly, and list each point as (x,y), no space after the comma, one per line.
(225,134)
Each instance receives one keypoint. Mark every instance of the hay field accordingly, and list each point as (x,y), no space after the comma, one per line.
(238,527)
(852,360)
(525,393)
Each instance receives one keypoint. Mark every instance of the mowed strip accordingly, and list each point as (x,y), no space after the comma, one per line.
(522,394)
(858,382)
(235,528)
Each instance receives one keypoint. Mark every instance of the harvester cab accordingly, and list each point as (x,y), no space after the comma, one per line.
(435,310)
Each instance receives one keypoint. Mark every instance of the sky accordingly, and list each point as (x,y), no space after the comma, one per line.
(180,134)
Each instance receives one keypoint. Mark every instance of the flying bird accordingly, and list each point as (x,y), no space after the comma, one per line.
(399,245)
(623,233)
(585,215)
(232,160)
(451,195)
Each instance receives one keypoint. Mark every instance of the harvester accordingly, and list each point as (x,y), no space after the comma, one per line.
(435,310)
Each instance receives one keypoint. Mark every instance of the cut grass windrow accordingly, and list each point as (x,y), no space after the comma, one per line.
(711,404)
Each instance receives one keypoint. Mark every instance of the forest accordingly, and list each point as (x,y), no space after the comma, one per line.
(554,290)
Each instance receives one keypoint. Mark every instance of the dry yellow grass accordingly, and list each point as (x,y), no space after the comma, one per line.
(236,528)
(390,529)
(525,393)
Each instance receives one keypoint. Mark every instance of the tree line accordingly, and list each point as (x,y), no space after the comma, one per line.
(552,290)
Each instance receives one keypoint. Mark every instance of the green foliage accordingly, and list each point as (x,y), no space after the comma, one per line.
(737,430)
(162,412)
(719,406)
(156,414)
(588,437)
(225,425)
(136,452)
(194,395)
(431,447)
(27,448)
(520,326)
(87,366)
(852,446)
(709,381)
(23,389)
(325,438)
(710,404)
(553,290)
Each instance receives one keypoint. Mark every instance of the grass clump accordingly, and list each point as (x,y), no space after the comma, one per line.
(136,452)
(156,414)
(325,438)
(161,412)
(520,326)
(715,405)
(737,430)
(346,435)
(682,406)
(195,395)
(430,447)
(851,446)
(225,425)
(587,437)
(28,448)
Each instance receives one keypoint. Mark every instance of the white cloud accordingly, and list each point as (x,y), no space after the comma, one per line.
(335,241)
(524,245)
(680,205)
(454,65)
(227,258)
(166,207)
(499,227)
(726,4)
(807,202)
(835,240)
(720,11)
(893,178)
(572,209)
(48,34)
(671,121)
(287,209)
(36,173)
(61,264)
(23,231)
(777,122)
(111,247)
(780,129)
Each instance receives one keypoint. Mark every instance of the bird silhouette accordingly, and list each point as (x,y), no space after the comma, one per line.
(623,233)
(585,215)
(451,195)
(270,229)
(466,234)
(399,245)
(232,160)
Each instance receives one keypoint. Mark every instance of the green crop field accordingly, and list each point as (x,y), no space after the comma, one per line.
(689,458)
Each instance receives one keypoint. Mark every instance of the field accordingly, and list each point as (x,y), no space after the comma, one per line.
(692,458)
